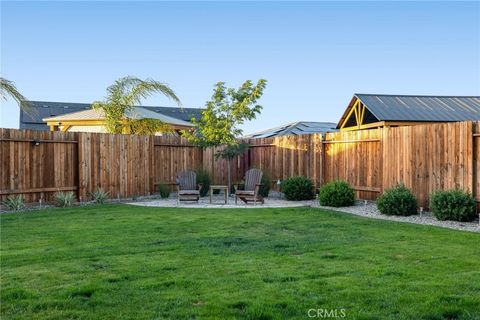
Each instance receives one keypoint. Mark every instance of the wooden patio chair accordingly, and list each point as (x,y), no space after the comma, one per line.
(187,187)
(251,192)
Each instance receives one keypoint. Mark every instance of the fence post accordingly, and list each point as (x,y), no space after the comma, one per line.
(83,156)
(322,159)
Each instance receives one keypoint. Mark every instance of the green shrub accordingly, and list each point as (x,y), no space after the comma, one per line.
(453,205)
(64,199)
(14,203)
(298,188)
(203,178)
(99,196)
(337,194)
(164,190)
(397,201)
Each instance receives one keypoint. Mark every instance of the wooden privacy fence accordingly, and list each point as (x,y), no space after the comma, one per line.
(36,164)
(425,158)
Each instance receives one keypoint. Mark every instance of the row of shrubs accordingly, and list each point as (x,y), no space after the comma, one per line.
(60,199)
(454,205)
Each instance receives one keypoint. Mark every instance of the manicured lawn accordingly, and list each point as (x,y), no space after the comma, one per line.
(127,262)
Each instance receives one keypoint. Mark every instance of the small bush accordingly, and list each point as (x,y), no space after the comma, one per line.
(99,196)
(337,194)
(298,188)
(453,205)
(14,203)
(64,199)
(397,201)
(265,187)
(203,178)
(164,191)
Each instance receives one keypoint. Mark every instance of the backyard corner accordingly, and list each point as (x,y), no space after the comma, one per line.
(141,262)
(250,160)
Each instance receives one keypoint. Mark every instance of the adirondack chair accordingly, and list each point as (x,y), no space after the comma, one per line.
(251,192)
(187,187)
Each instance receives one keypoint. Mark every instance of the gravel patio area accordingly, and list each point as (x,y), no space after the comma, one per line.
(218,202)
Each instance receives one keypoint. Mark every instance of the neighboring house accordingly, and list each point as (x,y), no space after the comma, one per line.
(67,116)
(367,111)
(295,128)
(94,120)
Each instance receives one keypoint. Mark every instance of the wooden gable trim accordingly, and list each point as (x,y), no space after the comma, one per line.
(365,126)
(357,109)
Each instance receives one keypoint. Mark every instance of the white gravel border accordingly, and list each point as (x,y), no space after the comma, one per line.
(369,210)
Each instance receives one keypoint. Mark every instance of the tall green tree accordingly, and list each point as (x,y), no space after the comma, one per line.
(8,88)
(123,96)
(220,123)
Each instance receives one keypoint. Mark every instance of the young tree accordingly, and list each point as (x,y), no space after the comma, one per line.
(122,96)
(220,124)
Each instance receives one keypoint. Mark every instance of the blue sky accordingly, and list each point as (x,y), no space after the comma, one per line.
(315,55)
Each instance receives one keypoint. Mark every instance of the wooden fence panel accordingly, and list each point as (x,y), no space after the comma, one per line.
(356,157)
(172,155)
(283,157)
(35,164)
(429,157)
(118,164)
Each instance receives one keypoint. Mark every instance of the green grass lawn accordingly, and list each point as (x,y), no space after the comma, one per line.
(128,262)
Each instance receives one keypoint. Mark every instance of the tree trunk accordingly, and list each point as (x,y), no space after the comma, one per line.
(229,177)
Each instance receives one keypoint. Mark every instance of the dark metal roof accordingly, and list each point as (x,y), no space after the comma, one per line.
(421,108)
(43,109)
(295,128)
(387,107)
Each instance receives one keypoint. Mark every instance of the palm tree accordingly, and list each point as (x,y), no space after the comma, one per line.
(123,95)
(7,88)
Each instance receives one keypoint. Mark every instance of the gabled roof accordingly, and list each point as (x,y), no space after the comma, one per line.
(418,108)
(45,109)
(136,113)
(295,128)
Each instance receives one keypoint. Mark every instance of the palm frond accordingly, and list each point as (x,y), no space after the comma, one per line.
(123,95)
(142,89)
(7,88)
